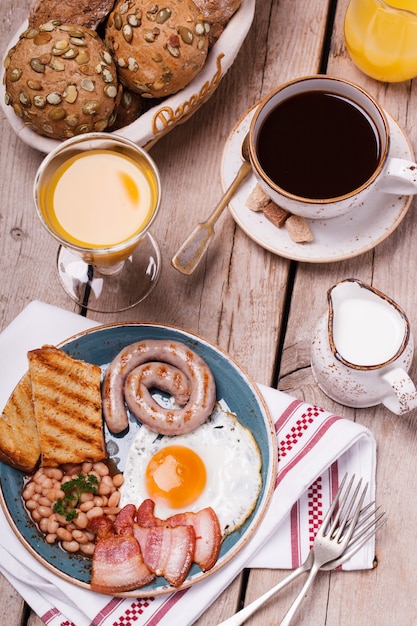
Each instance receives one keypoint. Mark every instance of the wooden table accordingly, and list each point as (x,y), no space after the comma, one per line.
(259,307)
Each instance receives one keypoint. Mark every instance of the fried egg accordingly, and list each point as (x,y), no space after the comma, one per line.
(216,465)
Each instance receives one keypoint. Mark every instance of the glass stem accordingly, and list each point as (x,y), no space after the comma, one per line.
(110,270)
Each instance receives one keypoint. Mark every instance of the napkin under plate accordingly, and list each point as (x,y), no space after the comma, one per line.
(315,449)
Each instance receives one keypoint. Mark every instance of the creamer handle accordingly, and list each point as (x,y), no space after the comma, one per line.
(404,396)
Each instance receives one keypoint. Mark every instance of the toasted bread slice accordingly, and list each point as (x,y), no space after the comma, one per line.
(19,443)
(67,403)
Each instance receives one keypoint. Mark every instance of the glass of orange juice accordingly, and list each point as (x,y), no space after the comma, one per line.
(97,195)
(381,38)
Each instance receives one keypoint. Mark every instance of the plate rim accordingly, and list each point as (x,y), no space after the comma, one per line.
(266,496)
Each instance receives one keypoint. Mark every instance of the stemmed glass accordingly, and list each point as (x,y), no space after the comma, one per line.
(97,195)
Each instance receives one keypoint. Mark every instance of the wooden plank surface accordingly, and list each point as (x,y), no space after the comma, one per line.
(385,596)
(237,296)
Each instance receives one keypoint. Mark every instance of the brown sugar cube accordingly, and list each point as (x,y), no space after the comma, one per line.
(257,199)
(298,229)
(276,214)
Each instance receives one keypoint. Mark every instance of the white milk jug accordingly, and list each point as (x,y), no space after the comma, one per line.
(362,349)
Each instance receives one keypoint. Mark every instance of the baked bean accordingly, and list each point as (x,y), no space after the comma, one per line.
(61,519)
(88,548)
(86,506)
(28,491)
(104,489)
(45,511)
(96,511)
(101,468)
(114,499)
(79,536)
(107,480)
(53,524)
(86,496)
(64,534)
(118,480)
(54,473)
(54,494)
(46,482)
(81,521)
(45,487)
(44,501)
(71,546)
(111,510)
(67,478)
(87,467)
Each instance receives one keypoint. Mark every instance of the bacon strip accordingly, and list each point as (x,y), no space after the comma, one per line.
(206,528)
(208,535)
(123,524)
(167,551)
(118,565)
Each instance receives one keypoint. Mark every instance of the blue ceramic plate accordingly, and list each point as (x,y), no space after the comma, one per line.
(100,346)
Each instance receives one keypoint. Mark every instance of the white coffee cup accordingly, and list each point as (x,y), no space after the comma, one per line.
(353,118)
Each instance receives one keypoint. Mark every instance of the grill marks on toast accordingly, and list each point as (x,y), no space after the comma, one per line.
(19,443)
(66,396)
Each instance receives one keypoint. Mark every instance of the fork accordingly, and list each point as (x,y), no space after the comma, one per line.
(369,521)
(330,543)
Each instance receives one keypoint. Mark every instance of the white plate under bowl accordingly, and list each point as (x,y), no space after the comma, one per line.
(161,118)
(100,346)
(335,239)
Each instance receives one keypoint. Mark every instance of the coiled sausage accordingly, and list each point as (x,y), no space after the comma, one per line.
(123,381)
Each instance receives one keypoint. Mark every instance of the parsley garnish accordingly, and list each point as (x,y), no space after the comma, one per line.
(73,489)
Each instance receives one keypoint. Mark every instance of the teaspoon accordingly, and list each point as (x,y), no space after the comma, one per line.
(190,253)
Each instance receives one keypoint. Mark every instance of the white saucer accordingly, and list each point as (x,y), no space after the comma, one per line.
(334,239)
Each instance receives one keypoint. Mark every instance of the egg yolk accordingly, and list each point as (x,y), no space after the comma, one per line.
(176,475)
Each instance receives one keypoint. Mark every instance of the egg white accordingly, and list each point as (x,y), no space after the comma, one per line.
(232,460)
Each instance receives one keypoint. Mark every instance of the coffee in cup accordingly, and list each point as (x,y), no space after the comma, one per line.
(319,145)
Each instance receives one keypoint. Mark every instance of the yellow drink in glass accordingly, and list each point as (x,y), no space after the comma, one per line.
(97,195)
(98,200)
(381,38)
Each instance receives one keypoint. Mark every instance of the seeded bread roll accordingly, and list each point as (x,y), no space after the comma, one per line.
(87,13)
(158,49)
(130,107)
(217,13)
(61,80)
